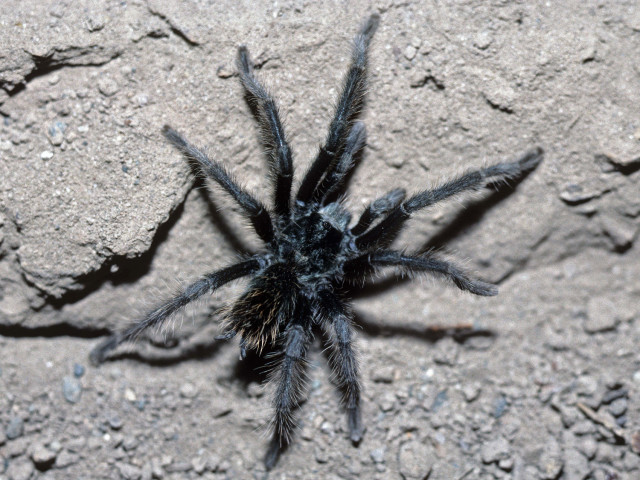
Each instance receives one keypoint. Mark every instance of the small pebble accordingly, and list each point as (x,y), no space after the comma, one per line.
(470,392)
(108,86)
(383,375)
(601,315)
(439,401)
(115,422)
(574,194)
(387,401)
(495,450)
(66,459)
(188,390)
(483,40)
(46,155)
(15,428)
(415,460)
(551,462)
(614,394)
(199,464)
(142,99)
(588,447)
(129,395)
(130,443)
(621,232)
(224,71)
(500,406)
(78,370)
(71,389)
(377,455)
(410,52)
(19,469)
(506,464)
(129,472)
(326,428)
(575,464)
(177,467)
(42,457)
(618,407)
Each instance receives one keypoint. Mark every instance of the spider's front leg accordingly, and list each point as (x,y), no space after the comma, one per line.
(366,264)
(349,106)
(387,229)
(257,213)
(273,136)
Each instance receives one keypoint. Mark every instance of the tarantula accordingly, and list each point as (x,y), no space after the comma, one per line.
(312,251)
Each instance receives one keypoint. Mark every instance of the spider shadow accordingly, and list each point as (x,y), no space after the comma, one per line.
(219,220)
(431,334)
(170,354)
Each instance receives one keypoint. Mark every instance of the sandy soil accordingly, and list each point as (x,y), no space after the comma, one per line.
(100,219)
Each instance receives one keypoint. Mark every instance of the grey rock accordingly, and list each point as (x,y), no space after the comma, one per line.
(625,160)
(377,455)
(188,390)
(551,461)
(383,374)
(576,466)
(115,422)
(43,457)
(108,86)
(71,389)
(15,428)
(78,370)
(495,450)
(621,232)
(20,469)
(618,407)
(180,466)
(129,472)
(601,315)
(415,460)
(66,459)
(575,194)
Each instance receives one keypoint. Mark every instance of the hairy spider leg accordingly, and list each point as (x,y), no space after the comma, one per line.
(367,263)
(377,208)
(335,177)
(290,379)
(387,229)
(342,359)
(272,133)
(254,209)
(156,317)
(349,106)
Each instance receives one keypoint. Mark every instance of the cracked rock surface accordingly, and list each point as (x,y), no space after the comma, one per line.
(100,219)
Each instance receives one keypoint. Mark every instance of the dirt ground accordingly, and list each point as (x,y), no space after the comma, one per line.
(100,220)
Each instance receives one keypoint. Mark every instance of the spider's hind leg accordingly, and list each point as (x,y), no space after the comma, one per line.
(290,387)
(157,317)
(343,359)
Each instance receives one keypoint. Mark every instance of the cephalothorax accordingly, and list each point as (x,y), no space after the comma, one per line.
(313,251)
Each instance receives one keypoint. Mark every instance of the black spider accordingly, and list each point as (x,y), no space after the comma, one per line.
(313,252)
